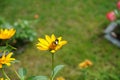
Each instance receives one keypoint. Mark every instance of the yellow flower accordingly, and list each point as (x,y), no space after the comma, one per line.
(6,33)
(50,43)
(0,63)
(6,59)
(85,64)
(60,78)
(1,78)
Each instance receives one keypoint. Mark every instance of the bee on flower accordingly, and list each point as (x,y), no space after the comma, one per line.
(85,64)
(7,33)
(50,43)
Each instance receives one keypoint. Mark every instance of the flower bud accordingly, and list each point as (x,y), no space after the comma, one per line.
(118,4)
(111,16)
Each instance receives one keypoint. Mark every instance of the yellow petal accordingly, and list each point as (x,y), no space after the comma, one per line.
(62,42)
(11,59)
(8,64)
(43,41)
(3,56)
(41,48)
(1,78)
(2,30)
(60,78)
(58,47)
(60,38)
(9,55)
(48,39)
(42,45)
(52,51)
(12,32)
(88,62)
(53,37)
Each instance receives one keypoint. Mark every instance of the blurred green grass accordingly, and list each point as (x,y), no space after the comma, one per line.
(81,23)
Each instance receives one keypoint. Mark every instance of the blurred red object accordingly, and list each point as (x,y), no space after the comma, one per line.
(111,16)
(118,4)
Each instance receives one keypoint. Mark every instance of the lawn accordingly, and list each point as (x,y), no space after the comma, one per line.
(81,23)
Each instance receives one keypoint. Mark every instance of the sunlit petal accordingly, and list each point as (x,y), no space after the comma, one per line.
(9,55)
(85,64)
(53,37)
(43,41)
(48,39)
(52,51)
(60,38)
(63,42)
(41,48)
(8,64)
(42,45)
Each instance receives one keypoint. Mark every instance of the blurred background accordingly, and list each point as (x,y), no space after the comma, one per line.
(80,22)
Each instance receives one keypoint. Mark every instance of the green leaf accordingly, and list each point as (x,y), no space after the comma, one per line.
(57,69)
(38,78)
(15,61)
(22,73)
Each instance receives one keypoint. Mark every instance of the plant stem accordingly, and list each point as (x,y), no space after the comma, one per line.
(52,66)
(5,74)
(85,74)
(10,46)
(15,71)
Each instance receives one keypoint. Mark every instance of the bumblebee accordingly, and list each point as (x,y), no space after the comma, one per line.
(54,44)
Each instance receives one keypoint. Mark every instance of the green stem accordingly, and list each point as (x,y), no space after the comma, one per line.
(5,74)
(10,46)
(85,74)
(15,71)
(52,66)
